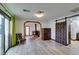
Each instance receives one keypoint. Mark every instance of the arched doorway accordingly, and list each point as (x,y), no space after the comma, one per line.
(26,22)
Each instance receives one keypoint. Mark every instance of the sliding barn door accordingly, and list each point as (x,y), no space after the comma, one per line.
(61,32)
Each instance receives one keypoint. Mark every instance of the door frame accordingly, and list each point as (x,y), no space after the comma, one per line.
(33,22)
(3,41)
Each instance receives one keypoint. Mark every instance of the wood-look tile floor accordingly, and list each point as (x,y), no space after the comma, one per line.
(48,47)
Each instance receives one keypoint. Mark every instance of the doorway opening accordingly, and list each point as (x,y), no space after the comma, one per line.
(74,30)
(27,31)
(32,29)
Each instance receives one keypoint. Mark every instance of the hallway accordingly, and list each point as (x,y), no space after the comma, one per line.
(48,47)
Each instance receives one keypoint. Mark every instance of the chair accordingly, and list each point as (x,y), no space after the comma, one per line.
(18,38)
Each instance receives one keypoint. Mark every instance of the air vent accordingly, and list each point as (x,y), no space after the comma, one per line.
(75,9)
(25,10)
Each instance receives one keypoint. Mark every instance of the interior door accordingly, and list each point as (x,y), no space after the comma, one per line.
(61,33)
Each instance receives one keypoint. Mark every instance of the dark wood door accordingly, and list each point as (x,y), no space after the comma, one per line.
(77,36)
(46,33)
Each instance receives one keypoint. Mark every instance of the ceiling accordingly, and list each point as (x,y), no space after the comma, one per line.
(52,10)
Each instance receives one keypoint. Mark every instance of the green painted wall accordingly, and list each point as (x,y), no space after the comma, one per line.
(13,31)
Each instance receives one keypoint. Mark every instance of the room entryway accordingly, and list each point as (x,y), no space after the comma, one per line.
(33,29)
(27,31)
(74,29)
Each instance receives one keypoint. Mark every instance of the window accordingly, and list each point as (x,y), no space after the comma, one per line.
(4,32)
(1,33)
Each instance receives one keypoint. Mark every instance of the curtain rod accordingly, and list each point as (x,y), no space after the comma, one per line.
(6,9)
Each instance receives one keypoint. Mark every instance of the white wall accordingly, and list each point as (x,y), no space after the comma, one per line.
(20,25)
(51,24)
(74,24)
(74,27)
(45,24)
(73,30)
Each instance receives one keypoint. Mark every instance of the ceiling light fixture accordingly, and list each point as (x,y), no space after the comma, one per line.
(39,13)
